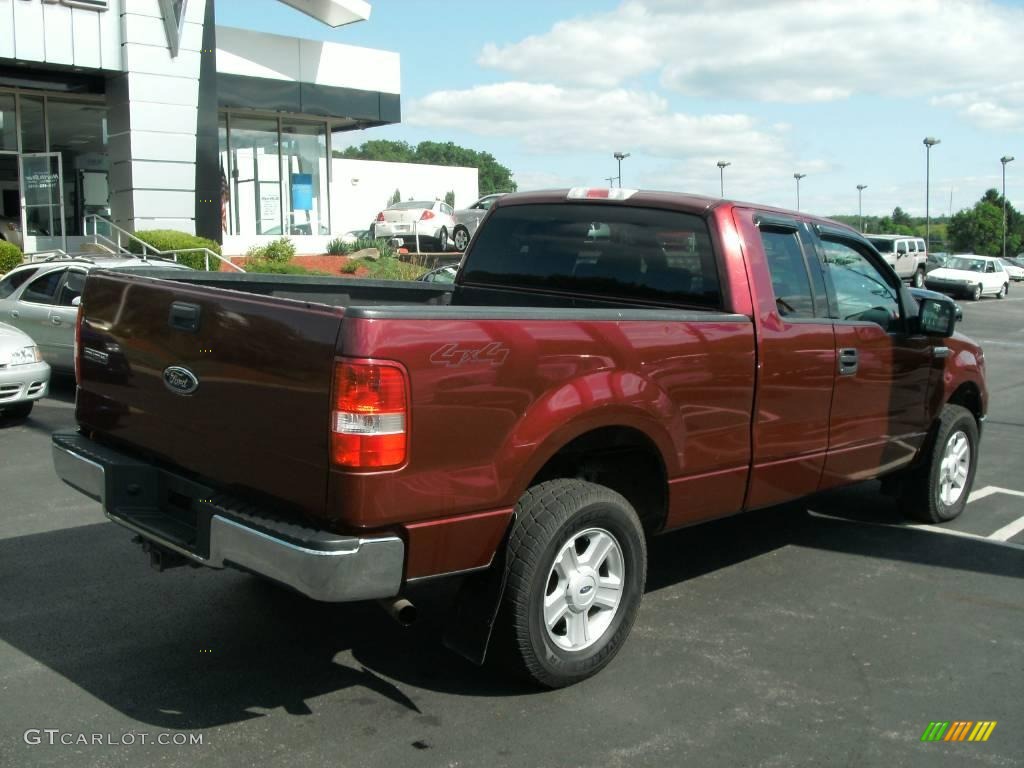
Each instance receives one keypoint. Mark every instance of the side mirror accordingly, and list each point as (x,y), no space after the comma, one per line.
(77,301)
(937,317)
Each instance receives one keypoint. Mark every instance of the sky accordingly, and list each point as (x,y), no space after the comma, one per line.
(842,91)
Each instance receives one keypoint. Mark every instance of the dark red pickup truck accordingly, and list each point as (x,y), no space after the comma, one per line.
(607,366)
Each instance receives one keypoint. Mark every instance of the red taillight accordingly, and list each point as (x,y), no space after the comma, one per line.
(428,214)
(369,428)
(380,216)
(78,346)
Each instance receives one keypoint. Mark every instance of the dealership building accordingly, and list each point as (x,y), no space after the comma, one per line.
(148,114)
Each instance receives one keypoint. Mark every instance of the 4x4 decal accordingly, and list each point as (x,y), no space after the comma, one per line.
(453,355)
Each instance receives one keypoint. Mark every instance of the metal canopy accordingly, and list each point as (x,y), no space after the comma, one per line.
(334,13)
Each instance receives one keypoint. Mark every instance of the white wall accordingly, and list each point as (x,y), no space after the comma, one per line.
(54,33)
(360,189)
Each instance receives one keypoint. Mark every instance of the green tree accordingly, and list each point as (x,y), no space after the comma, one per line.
(493,176)
(450,197)
(395,198)
(980,229)
(900,217)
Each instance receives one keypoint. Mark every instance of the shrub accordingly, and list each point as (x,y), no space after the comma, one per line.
(172,240)
(262,266)
(392,269)
(10,256)
(338,247)
(278,251)
(351,267)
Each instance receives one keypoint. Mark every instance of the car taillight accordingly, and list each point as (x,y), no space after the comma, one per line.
(78,346)
(380,216)
(428,214)
(369,428)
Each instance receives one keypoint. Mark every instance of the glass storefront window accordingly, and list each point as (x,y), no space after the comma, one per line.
(304,160)
(78,130)
(8,124)
(255,186)
(33,126)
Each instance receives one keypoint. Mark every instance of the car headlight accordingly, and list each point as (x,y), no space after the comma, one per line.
(25,355)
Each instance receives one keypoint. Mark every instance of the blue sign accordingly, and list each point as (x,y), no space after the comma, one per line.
(302,191)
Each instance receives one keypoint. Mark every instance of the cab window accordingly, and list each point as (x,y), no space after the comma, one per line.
(901,246)
(790,282)
(863,292)
(43,289)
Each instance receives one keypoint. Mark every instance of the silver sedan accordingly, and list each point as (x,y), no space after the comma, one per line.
(24,377)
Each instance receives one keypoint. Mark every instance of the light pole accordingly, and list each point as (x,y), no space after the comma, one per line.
(722,165)
(1004,160)
(620,157)
(929,142)
(611,180)
(860,206)
(798,176)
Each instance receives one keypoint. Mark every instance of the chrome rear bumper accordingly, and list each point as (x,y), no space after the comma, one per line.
(319,564)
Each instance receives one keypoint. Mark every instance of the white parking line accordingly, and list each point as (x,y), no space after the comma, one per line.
(927,528)
(1009,531)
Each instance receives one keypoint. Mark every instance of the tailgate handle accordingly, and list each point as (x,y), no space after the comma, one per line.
(184,317)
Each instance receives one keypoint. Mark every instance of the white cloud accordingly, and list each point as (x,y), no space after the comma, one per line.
(785,50)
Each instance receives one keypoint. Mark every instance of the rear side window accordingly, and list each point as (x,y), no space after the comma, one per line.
(43,289)
(790,281)
(608,251)
(14,281)
(72,288)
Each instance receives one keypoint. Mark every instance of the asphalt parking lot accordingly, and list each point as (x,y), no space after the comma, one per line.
(831,635)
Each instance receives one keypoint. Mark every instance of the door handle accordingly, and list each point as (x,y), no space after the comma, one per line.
(14,313)
(55,320)
(848,360)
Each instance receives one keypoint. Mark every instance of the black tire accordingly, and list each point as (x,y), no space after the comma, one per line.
(918,279)
(460,238)
(1003,291)
(976,294)
(920,497)
(19,411)
(442,240)
(548,516)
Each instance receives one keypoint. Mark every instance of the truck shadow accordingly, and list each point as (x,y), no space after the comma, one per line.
(191,649)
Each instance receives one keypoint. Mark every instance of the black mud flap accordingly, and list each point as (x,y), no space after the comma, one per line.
(476,608)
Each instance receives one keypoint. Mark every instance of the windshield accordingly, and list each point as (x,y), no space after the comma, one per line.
(882,246)
(967,265)
(411,204)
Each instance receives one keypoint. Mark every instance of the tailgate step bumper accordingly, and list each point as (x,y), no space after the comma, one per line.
(214,530)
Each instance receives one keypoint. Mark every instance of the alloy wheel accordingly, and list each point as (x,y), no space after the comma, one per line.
(955,468)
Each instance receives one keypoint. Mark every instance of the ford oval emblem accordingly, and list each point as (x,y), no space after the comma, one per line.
(181,381)
(586,588)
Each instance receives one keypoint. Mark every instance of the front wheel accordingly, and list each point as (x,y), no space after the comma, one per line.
(937,491)
(577,568)
(442,239)
(461,238)
(1003,291)
(918,279)
(976,293)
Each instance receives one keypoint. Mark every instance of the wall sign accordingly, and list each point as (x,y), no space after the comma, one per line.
(93,5)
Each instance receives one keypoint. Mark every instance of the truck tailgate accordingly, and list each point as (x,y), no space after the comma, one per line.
(258,419)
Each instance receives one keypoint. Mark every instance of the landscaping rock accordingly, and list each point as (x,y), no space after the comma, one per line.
(367,253)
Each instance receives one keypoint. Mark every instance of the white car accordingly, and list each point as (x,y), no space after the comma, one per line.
(971,275)
(1016,273)
(24,377)
(432,220)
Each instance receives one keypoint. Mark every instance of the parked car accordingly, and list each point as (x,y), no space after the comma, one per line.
(433,220)
(24,377)
(42,299)
(468,219)
(907,255)
(355,235)
(10,230)
(936,260)
(971,275)
(1014,270)
(532,424)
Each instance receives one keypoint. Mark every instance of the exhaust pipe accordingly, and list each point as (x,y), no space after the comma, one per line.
(399,609)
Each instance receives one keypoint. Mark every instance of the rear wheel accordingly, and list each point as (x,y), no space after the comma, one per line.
(937,491)
(918,279)
(577,567)
(1003,291)
(19,411)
